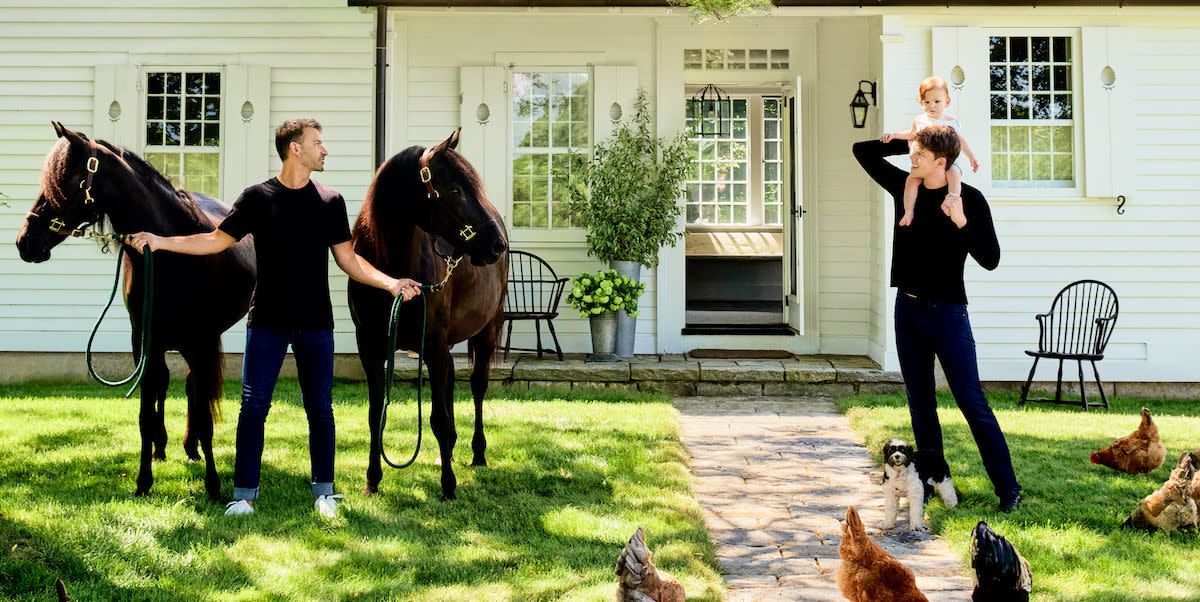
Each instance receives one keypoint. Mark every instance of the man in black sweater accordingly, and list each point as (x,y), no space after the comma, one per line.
(931,301)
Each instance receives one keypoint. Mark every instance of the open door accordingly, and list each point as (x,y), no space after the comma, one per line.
(793,225)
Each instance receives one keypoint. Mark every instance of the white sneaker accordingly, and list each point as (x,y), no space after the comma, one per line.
(326,505)
(238,508)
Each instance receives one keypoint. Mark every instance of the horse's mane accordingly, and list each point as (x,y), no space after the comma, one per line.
(157,185)
(400,175)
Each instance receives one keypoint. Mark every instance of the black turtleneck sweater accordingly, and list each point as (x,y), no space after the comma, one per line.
(928,255)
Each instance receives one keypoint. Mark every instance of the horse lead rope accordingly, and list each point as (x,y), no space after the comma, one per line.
(147,314)
(390,367)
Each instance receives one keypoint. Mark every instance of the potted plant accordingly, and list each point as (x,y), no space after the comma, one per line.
(599,297)
(626,197)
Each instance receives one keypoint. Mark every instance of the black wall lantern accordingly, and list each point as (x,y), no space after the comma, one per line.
(710,111)
(858,106)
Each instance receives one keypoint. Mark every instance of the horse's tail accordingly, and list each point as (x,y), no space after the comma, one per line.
(211,389)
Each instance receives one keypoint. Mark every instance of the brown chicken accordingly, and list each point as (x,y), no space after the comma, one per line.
(1171,508)
(1140,452)
(1195,489)
(639,580)
(867,572)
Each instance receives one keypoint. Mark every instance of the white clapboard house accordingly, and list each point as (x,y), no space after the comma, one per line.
(1068,105)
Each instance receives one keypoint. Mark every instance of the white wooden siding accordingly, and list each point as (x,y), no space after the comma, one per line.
(49,52)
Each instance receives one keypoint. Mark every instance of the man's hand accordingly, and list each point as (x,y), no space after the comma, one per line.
(887,137)
(953,208)
(405,287)
(141,240)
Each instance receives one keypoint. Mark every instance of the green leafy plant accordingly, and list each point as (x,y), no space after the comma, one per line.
(626,194)
(603,292)
(719,10)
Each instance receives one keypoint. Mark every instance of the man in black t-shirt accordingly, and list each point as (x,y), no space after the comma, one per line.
(931,304)
(295,221)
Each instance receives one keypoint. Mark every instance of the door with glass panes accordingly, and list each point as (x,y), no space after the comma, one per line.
(736,212)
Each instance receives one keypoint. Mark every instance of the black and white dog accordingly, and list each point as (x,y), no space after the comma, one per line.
(913,474)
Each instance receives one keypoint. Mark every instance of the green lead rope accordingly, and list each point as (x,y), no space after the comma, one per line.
(147,314)
(393,326)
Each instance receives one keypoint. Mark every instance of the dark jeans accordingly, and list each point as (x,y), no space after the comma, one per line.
(265,350)
(928,328)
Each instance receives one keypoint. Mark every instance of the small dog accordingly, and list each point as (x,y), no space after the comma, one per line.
(914,475)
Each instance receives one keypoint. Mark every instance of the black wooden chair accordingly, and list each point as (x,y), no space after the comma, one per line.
(1077,327)
(534,291)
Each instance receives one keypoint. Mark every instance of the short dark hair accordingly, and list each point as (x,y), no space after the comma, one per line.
(291,131)
(941,141)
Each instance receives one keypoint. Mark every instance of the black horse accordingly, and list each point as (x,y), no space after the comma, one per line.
(91,182)
(425,210)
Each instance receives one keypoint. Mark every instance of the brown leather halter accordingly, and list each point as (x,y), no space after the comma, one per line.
(58,226)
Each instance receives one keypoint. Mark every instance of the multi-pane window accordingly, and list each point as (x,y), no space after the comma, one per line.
(737,179)
(772,160)
(551,121)
(183,128)
(1032,111)
(758,59)
(720,175)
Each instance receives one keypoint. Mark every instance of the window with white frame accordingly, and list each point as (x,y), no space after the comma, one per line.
(737,179)
(183,128)
(551,125)
(1032,111)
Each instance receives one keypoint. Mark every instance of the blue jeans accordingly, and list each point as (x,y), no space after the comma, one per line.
(265,350)
(928,328)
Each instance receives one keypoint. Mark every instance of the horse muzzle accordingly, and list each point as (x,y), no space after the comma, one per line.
(30,248)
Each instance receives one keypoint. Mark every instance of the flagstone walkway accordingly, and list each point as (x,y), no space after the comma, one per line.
(775,476)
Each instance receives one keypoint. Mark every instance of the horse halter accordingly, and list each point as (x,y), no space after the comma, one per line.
(467,232)
(58,226)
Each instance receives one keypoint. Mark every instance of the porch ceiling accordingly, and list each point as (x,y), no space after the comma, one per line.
(801,3)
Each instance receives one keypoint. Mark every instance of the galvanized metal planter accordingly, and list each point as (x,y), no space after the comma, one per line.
(604,338)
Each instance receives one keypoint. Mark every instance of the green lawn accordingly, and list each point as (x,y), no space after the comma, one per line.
(1068,524)
(571,476)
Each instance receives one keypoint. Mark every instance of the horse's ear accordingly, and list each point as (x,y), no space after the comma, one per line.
(448,143)
(75,138)
(58,128)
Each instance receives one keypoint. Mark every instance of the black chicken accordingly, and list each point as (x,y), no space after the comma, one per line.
(1001,573)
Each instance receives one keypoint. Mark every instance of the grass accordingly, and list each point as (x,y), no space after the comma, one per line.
(571,475)
(1068,526)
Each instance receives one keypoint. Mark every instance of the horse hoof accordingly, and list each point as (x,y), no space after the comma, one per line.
(479,462)
(139,492)
(160,455)
(370,489)
(449,497)
(192,455)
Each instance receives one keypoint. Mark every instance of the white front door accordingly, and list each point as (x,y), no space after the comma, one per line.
(793,210)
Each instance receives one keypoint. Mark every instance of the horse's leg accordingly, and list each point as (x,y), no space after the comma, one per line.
(441,415)
(482,347)
(373,364)
(204,397)
(189,438)
(150,425)
(158,390)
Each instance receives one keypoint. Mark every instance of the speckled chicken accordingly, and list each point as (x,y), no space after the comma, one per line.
(639,579)
(867,572)
(1001,573)
(1139,452)
(1171,508)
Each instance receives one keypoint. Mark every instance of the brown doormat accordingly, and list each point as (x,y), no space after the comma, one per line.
(740,354)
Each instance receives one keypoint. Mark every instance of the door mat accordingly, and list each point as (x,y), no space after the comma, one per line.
(740,354)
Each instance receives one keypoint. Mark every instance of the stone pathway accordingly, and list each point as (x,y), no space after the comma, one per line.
(775,477)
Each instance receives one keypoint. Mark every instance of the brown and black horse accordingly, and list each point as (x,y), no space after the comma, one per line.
(86,182)
(425,210)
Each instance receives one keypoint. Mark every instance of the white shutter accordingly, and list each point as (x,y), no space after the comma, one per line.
(960,54)
(246,143)
(1107,115)
(613,91)
(118,84)
(483,115)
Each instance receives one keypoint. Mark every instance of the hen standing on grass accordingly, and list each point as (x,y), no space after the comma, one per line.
(1139,452)
(639,580)
(1001,573)
(1171,508)
(867,572)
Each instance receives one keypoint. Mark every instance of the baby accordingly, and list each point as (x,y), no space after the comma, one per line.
(934,97)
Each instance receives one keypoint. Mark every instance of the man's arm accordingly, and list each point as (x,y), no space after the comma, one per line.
(362,271)
(871,155)
(207,243)
(974,220)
